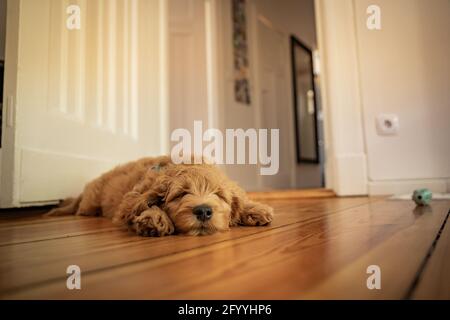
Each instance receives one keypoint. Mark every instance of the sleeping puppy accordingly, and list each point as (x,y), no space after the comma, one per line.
(155,197)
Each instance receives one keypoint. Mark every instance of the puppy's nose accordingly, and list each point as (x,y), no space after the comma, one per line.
(203,212)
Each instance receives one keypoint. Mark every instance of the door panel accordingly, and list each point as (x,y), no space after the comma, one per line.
(187,64)
(86,98)
(274,92)
(45,184)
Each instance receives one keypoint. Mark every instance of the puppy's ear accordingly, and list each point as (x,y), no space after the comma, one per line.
(238,198)
(154,199)
(155,196)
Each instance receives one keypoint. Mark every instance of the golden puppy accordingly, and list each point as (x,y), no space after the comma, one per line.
(155,197)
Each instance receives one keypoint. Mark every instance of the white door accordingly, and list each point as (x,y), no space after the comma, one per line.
(275,95)
(79,100)
(187,64)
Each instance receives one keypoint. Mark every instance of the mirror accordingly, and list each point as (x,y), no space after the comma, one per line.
(305,106)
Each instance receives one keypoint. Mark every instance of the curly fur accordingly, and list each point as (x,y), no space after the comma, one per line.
(159,202)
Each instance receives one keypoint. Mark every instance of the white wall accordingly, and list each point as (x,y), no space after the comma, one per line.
(231,114)
(292,16)
(402,69)
(405,70)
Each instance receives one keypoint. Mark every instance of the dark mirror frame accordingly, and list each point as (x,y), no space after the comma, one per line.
(296,43)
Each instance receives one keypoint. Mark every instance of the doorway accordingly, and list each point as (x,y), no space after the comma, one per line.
(254,76)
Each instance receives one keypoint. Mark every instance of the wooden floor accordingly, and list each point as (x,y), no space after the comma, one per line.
(315,248)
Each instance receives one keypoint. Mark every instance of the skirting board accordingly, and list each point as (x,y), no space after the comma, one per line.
(407,186)
(436,196)
(292,194)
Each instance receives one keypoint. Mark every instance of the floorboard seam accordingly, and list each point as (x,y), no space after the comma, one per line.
(416,281)
(110,229)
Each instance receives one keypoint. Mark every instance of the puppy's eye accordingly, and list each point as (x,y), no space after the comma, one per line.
(154,202)
(180,195)
(221,196)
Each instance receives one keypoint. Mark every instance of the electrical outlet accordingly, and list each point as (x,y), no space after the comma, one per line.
(387,124)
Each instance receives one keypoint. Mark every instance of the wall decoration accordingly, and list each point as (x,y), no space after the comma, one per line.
(240,53)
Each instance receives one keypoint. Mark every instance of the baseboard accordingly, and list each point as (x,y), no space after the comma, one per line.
(291,194)
(392,187)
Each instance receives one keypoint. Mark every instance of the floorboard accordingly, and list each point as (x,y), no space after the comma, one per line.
(434,283)
(315,248)
(63,250)
(400,255)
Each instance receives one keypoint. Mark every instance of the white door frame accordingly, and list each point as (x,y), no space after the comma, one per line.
(8,170)
(346,159)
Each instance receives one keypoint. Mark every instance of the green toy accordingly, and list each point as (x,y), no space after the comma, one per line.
(422,197)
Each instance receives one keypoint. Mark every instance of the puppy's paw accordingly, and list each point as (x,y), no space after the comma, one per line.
(257,214)
(153,222)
